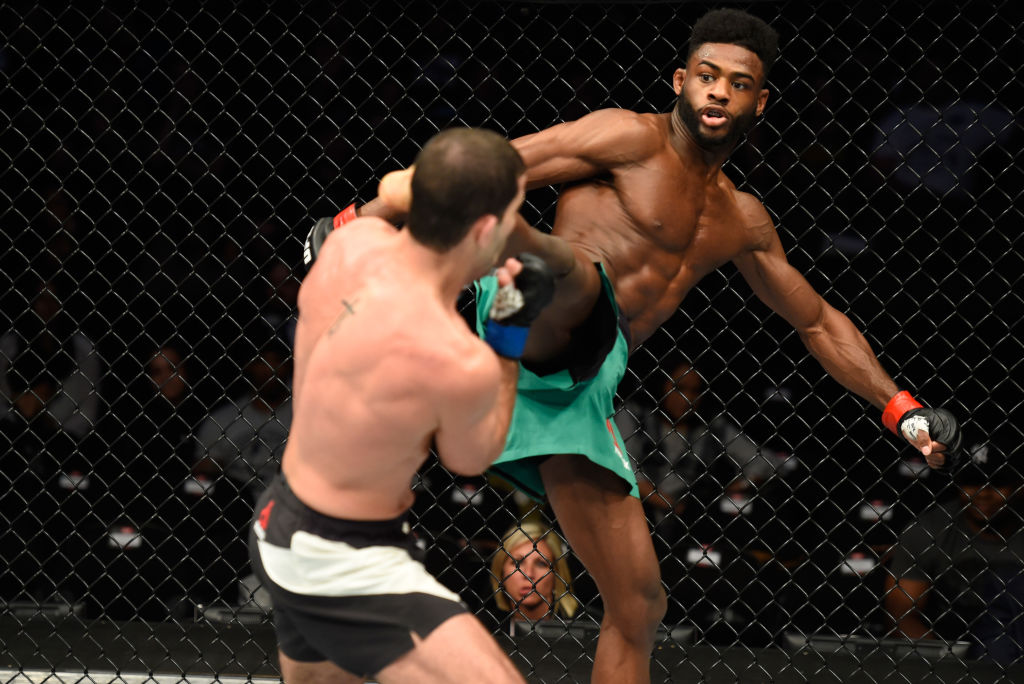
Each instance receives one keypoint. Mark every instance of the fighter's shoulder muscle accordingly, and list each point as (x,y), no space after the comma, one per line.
(755,221)
(362,234)
(457,368)
(345,254)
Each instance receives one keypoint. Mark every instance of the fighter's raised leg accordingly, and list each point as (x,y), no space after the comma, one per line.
(577,288)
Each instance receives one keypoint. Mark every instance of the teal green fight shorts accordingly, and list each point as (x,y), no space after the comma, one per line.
(555,413)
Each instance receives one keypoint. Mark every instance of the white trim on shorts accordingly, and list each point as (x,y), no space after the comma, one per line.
(314,566)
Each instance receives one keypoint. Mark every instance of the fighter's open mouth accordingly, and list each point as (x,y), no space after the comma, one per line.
(713,117)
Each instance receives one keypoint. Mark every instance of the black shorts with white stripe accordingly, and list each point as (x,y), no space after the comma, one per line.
(347,591)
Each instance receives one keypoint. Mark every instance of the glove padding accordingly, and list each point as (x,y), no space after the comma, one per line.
(941,425)
(517,305)
(536,284)
(315,240)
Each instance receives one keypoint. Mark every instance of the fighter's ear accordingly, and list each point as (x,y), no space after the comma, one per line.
(762,99)
(677,80)
(483,229)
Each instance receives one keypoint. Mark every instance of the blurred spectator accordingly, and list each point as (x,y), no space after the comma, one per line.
(47,332)
(28,433)
(151,424)
(149,429)
(957,573)
(458,510)
(679,448)
(530,576)
(457,521)
(45,488)
(245,436)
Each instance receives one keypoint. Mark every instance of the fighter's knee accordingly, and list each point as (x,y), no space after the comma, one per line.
(655,604)
(638,611)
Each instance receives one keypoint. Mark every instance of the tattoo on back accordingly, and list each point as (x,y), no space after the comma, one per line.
(345,313)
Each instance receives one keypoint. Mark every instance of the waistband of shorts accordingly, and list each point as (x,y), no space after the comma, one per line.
(375,532)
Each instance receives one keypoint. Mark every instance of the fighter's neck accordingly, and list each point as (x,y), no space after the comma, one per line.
(709,163)
(444,273)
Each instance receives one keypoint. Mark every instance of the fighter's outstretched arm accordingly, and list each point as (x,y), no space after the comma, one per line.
(586,147)
(833,339)
(589,146)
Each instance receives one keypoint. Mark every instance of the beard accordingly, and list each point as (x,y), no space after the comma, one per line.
(735,130)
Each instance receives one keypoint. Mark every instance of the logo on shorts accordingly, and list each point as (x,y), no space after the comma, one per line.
(265,514)
(615,443)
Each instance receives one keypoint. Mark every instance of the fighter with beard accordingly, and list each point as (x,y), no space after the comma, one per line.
(644,214)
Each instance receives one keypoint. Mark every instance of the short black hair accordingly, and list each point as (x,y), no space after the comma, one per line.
(736,27)
(461,174)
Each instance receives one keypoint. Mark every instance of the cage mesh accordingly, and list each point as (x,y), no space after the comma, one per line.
(161,165)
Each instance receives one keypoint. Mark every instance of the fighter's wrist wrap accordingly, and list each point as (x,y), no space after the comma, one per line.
(515,307)
(897,406)
(507,340)
(345,215)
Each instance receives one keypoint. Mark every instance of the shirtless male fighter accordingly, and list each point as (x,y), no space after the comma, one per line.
(384,367)
(646,213)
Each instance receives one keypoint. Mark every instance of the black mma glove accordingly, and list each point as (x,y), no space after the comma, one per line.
(517,305)
(321,229)
(905,416)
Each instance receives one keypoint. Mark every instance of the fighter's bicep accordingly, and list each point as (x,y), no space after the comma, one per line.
(585,147)
(468,423)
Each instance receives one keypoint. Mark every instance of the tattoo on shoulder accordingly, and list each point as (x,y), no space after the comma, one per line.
(348,310)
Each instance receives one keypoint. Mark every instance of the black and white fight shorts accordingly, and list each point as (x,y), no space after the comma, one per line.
(347,591)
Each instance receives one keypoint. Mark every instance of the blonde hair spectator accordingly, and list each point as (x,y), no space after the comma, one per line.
(530,574)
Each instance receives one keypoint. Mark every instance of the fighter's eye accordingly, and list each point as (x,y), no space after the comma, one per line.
(707,78)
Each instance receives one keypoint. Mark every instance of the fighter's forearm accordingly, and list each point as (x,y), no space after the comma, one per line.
(845,354)
(377,207)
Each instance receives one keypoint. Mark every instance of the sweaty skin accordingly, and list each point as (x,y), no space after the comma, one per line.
(645,195)
(377,330)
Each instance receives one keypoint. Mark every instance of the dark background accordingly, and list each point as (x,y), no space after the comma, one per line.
(155,162)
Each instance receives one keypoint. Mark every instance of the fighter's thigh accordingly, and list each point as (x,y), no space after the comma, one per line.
(323,672)
(604,525)
(575,297)
(460,649)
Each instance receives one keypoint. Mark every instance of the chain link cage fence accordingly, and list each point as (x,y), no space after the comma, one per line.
(161,165)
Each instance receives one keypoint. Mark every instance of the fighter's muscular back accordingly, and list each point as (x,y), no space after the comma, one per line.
(649,207)
(383,366)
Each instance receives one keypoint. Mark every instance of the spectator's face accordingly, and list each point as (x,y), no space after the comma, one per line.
(682,395)
(166,371)
(985,502)
(532,584)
